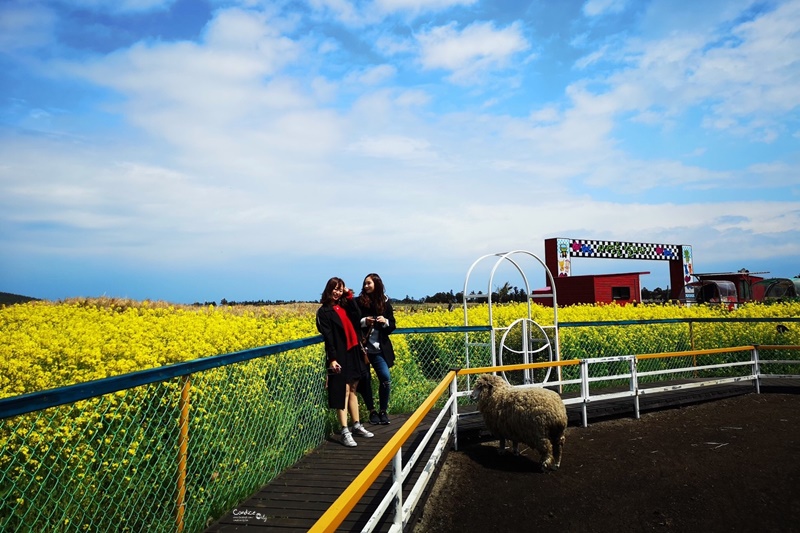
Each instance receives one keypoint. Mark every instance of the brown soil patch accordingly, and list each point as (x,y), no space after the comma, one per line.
(726,465)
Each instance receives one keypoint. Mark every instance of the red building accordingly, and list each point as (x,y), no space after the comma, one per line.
(622,288)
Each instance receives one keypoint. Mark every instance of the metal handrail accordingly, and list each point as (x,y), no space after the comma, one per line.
(339,510)
(336,514)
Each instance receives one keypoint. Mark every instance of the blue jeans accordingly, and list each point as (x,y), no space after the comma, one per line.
(384,379)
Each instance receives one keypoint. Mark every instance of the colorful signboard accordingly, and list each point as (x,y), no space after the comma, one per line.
(591,248)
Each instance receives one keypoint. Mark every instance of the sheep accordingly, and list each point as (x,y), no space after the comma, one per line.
(534,416)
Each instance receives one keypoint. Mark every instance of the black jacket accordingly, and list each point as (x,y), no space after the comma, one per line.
(383,332)
(330,326)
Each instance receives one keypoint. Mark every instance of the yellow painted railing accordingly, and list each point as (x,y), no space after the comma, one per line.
(340,509)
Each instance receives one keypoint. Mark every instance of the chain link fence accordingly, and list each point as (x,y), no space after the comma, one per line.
(168,455)
(424,357)
(590,340)
(174,448)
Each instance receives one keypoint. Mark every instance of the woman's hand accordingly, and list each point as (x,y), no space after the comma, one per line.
(335,367)
(380,320)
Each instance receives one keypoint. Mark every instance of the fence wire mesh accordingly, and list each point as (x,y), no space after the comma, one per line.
(114,462)
(111,463)
(597,340)
(425,357)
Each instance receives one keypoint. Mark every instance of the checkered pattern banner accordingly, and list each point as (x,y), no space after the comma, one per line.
(623,250)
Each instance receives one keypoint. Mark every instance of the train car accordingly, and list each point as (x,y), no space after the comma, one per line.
(709,291)
(776,289)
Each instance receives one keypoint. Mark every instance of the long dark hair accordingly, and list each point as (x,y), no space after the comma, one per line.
(377,300)
(327,294)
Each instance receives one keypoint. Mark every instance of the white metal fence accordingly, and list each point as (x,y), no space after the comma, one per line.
(699,368)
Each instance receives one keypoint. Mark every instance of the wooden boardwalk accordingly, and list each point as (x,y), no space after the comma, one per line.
(299,496)
(296,499)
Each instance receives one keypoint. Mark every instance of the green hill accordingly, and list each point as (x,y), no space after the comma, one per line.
(6,298)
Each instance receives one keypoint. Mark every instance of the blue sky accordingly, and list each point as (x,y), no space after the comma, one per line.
(188,150)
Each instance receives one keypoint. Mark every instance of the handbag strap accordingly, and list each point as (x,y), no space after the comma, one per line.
(366,336)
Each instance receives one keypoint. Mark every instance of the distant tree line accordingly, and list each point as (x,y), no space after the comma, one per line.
(245,302)
(505,293)
(656,295)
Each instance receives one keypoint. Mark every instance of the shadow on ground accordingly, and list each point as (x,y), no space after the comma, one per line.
(725,465)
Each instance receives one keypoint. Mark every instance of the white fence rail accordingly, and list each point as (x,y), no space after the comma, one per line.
(639,383)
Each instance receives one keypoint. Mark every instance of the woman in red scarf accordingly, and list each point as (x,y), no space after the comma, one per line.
(338,320)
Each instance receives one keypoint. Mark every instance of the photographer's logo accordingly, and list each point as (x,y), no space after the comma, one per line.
(243,516)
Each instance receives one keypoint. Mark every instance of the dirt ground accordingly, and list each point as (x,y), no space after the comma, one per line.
(725,465)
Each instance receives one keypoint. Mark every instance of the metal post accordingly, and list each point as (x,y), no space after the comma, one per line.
(528,374)
(584,390)
(454,409)
(494,354)
(691,345)
(397,479)
(756,369)
(183,449)
(635,385)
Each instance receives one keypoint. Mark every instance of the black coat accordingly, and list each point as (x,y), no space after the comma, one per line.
(353,367)
(383,332)
(330,326)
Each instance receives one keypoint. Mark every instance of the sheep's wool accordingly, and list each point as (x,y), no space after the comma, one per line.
(533,416)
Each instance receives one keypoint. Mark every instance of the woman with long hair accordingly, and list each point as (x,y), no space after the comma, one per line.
(377,323)
(338,322)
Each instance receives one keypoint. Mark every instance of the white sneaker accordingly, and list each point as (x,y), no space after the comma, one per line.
(361,431)
(347,438)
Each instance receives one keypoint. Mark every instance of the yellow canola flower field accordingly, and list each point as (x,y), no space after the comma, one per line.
(44,345)
(504,314)
(251,420)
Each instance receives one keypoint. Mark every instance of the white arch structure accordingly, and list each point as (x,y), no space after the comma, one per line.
(529,326)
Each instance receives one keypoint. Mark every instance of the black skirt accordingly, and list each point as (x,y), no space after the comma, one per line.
(353,369)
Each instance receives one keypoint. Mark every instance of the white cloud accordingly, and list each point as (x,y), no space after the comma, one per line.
(240,50)
(742,85)
(629,176)
(328,46)
(373,75)
(342,10)
(222,96)
(25,27)
(697,152)
(413,98)
(758,74)
(478,48)
(103,204)
(591,58)
(361,14)
(594,8)
(772,174)
(123,6)
(418,6)
(391,45)
(246,138)
(549,114)
(392,147)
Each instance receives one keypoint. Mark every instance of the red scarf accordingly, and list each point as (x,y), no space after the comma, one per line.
(349,330)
